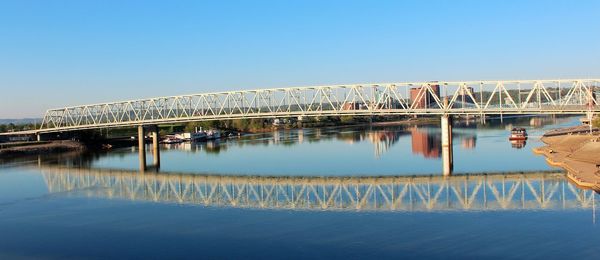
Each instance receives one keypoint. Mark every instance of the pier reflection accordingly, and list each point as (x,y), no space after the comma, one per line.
(485,192)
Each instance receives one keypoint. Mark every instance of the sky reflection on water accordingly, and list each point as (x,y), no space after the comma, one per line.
(353,151)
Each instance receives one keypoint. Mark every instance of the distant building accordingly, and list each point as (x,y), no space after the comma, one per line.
(426,99)
(464,95)
(591,102)
(351,106)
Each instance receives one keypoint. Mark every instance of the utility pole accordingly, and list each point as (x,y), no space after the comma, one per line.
(590,114)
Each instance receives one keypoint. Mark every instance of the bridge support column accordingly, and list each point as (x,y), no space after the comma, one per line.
(142,147)
(42,137)
(447,156)
(155,147)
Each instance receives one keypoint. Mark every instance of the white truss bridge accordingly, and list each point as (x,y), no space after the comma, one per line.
(573,96)
(484,192)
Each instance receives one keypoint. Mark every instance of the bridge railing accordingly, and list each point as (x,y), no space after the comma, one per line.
(480,97)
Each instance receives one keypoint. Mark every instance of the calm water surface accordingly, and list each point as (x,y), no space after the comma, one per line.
(352,192)
(360,151)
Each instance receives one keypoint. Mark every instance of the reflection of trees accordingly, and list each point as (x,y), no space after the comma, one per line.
(382,140)
(70,159)
(524,120)
(426,140)
(214,147)
(349,136)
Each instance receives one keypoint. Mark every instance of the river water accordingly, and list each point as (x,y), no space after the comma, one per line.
(346,192)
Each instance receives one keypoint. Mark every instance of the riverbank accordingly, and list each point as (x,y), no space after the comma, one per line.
(31,148)
(576,151)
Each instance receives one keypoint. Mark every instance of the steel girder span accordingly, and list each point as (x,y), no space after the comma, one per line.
(575,96)
(516,191)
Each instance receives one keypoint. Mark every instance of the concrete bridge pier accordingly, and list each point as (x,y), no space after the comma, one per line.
(41,137)
(155,147)
(447,153)
(142,147)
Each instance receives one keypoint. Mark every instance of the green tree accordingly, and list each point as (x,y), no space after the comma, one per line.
(347,119)
(241,124)
(205,125)
(596,122)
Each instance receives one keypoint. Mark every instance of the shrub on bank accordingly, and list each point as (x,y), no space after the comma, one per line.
(596,122)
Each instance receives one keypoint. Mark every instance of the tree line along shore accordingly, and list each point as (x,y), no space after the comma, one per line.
(100,138)
(251,125)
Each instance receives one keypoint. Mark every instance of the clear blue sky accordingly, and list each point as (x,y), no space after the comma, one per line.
(58,53)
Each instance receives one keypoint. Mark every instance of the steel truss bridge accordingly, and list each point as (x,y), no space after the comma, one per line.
(574,96)
(485,192)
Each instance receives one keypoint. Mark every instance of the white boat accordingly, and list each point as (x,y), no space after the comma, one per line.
(184,136)
(170,139)
(518,134)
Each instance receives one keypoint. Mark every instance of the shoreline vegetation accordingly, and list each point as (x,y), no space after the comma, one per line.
(246,125)
(98,139)
(266,125)
(575,150)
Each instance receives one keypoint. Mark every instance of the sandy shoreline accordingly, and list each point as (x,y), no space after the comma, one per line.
(576,152)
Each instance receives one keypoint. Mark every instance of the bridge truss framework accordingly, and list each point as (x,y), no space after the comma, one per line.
(574,96)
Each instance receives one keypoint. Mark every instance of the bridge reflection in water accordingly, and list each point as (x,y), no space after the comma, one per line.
(485,192)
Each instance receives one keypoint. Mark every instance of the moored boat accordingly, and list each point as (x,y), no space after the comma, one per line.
(518,134)
(198,137)
(213,134)
(170,139)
